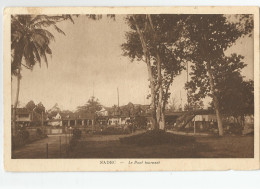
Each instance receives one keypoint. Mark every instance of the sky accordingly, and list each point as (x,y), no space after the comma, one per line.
(88,61)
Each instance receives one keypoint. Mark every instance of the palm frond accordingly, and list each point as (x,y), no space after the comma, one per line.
(48,50)
(38,18)
(41,40)
(28,55)
(44,23)
(36,53)
(46,33)
(58,29)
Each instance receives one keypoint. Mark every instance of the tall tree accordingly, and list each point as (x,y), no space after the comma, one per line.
(92,106)
(236,95)
(210,36)
(30,105)
(39,108)
(156,40)
(30,41)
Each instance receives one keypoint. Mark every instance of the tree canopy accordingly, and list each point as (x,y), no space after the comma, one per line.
(209,37)
(92,106)
(30,105)
(157,40)
(30,39)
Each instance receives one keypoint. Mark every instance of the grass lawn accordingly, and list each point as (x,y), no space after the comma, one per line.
(192,147)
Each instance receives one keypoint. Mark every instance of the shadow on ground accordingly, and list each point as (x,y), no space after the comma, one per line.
(166,146)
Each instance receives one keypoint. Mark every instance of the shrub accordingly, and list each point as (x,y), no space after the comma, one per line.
(39,132)
(114,131)
(156,138)
(77,133)
(73,143)
(21,138)
(233,128)
(24,135)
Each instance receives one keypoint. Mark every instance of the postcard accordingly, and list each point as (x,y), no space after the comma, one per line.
(131,88)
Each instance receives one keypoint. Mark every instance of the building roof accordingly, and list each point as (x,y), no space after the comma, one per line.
(22,111)
(76,115)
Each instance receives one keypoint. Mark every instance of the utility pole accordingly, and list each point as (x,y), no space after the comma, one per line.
(181,100)
(93,88)
(117,97)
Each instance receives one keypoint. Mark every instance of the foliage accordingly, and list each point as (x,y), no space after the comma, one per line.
(39,132)
(157,138)
(157,40)
(91,106)
(169,33)
(210,36)
(114,131)
(77,133)
(30,105)
(236,96)
(193,104)
(23,136)
(39,108)
(140,121)
(30,39)
(130,110)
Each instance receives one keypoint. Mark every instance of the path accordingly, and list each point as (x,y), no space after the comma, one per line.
(189,133)
(37,149)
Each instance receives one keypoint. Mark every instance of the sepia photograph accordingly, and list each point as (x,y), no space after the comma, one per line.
(133,88)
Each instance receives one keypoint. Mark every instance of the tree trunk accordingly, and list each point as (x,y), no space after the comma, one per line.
(159,112)
(215,100)
(150,74)
(153,95)
(162,122)
(16,101)
(17,61)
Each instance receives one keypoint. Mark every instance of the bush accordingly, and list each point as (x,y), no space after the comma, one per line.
(77,133)
(73,143)
(75,137)
(140,122)
(20,139)
(39,132)
(23,135)
(114,131)
(233,128)
(156,138)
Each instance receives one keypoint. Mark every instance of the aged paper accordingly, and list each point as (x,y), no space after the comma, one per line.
(131,88)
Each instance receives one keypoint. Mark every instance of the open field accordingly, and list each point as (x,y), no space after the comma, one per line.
(109,146)
(37,149)
(203,147)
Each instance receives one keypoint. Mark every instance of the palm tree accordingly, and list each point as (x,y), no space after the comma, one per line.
(30,41)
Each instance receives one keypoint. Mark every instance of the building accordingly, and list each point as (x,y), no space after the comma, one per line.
(118,120)
(23,116)
(72,119)
(103,112)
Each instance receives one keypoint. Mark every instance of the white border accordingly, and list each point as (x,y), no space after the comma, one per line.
(195,179)
(94,164)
